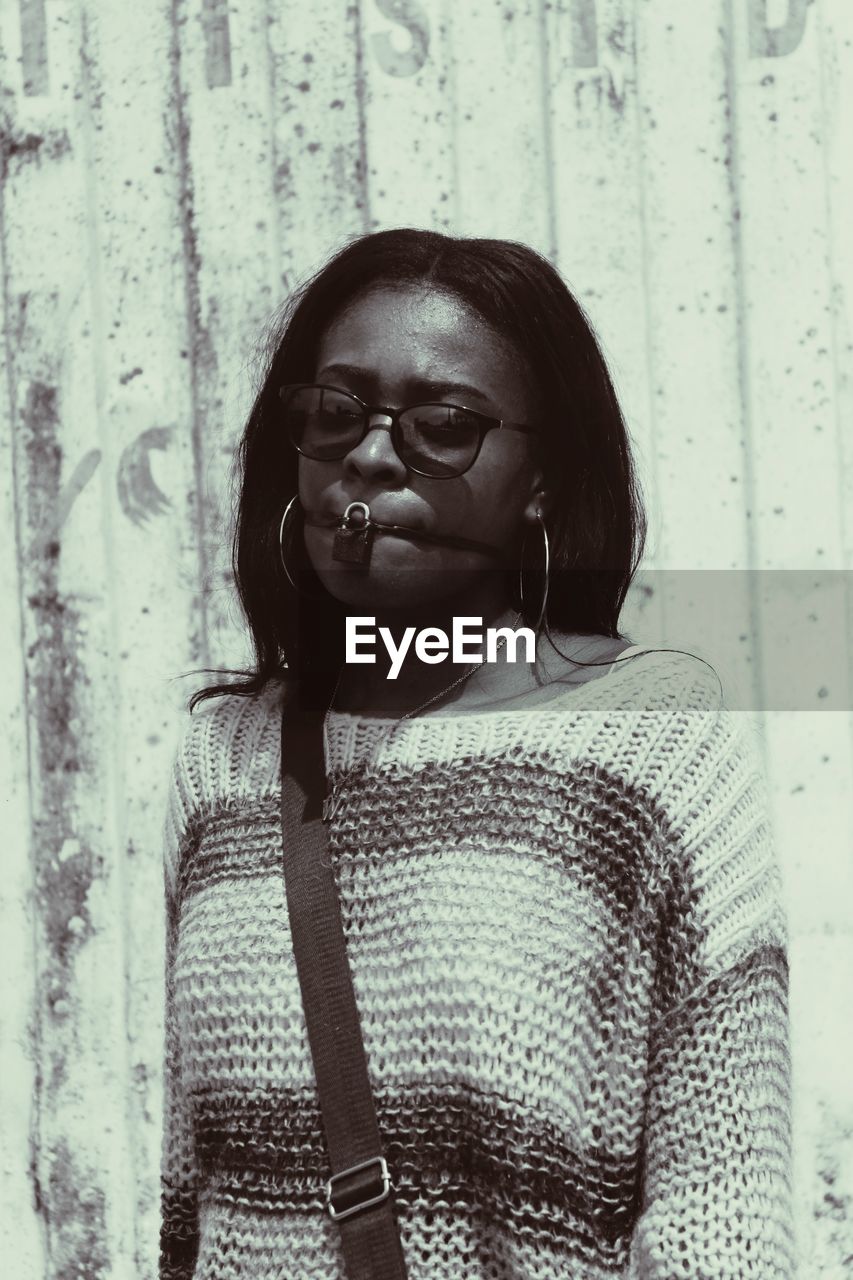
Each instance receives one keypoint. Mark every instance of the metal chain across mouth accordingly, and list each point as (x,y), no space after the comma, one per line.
(356,528)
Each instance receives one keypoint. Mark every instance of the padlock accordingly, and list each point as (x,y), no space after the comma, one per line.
(354,536)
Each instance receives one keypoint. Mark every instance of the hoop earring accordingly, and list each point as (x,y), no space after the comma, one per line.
(547,572)
(285,539)
(284,519)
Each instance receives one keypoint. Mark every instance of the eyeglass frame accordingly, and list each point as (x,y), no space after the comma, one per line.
(485,424)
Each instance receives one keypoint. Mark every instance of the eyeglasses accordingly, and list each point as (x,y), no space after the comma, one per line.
(436,440)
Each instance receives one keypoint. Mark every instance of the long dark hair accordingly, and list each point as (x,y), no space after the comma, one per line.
(596,522)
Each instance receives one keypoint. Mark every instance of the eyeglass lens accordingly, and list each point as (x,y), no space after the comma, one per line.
(438,439)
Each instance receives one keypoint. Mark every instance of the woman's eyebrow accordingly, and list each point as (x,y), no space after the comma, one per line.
(420,386)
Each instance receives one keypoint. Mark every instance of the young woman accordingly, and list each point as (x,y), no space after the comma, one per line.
(556,876)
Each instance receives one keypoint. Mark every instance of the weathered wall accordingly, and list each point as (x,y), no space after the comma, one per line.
(171,168)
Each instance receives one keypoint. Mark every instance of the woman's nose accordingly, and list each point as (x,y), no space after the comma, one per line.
(375,456)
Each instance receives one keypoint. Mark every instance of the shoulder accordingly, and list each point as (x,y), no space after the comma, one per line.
(228,749)
(660,721)
(655,677)
(666,680)
(708,772)
(231,742)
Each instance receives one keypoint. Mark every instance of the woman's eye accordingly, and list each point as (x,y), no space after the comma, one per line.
(437,428)
(336,414)
(439,420)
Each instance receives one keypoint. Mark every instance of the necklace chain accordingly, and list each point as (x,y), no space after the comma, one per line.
(408,715)
(330,804)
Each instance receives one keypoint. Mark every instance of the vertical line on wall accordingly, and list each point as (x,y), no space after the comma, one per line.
(547,132)
(453,118)
(274,152)
(354,12)
(94,277)
(838,380)
(186,203)
(742,343)
(28,728)
(645,278)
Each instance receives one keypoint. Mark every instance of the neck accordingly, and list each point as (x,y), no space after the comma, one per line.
(368,689)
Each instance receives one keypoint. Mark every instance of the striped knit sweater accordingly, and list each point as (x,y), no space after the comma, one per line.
(569,958)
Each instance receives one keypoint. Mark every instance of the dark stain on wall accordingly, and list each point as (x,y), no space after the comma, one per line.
(66,1197)
(74,486)
(202,354)
(27,147)
(55,677)
(42,448)
(76,1221)
(834,1204)
(64,886)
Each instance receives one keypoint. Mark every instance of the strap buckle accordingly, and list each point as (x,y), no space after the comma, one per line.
(359,1197)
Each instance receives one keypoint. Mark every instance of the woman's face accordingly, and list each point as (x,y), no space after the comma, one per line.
(400,347)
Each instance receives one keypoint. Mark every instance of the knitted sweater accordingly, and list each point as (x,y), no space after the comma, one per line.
(568,954)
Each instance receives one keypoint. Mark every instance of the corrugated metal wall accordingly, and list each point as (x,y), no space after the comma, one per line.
(171,168)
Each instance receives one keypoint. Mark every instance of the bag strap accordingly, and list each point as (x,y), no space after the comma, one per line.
(358,1194)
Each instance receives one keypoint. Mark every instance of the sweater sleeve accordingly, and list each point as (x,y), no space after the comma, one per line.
(178,1194)
(229,753)
(716,1195)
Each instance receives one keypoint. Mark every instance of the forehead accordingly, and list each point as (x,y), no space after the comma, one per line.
(417,334)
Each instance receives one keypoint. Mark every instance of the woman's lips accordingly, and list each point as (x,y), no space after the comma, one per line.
(381,516)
